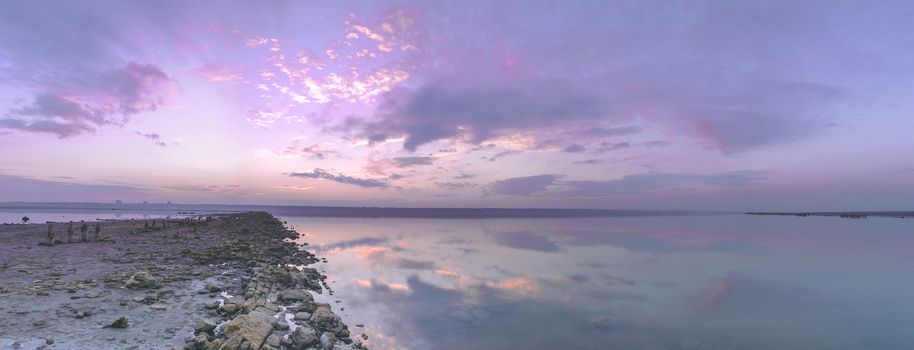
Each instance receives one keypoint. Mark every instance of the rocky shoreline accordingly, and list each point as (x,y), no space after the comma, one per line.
(229,282)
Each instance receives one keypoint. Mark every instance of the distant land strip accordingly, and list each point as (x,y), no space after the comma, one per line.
(336,211)
(845,214)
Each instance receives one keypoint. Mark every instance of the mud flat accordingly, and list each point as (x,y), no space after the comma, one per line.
(232,281)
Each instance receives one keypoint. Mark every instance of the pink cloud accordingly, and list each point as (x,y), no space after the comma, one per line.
(220,73)
(88,105)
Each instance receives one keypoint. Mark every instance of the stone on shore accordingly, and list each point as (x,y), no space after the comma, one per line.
(204,325)
(292,296)
(253,327)
(303,337)
(119,323)
(326,320)
(142,280)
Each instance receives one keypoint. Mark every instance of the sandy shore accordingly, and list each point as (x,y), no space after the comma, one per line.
(229,282)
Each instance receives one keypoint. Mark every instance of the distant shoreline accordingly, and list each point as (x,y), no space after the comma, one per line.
(844,214)
(355,212)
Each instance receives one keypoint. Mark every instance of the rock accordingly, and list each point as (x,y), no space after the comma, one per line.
(280,324)
(158,307)
(142,280)
(40,323)
(212,288)
(302,316)
(211,306)
(303,337)
(254,328)
(119,323)
(204,325)
(274,340)
(200,342)
(291,296)
(232,305)
(233,343)
(326,320)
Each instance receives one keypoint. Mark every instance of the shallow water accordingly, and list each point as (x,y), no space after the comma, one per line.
(686,282)
(15,216)
(700,282)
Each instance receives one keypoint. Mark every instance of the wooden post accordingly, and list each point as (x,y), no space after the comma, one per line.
(84,233)
(50,235)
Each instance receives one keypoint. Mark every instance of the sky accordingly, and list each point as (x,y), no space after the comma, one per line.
(705,105)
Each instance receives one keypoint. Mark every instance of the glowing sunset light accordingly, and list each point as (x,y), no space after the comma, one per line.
(588,104)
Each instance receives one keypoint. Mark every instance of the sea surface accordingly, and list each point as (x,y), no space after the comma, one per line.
(662,282)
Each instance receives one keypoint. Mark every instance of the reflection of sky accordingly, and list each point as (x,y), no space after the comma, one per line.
(721,282)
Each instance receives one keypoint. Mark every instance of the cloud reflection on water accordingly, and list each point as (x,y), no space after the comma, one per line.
(650,283)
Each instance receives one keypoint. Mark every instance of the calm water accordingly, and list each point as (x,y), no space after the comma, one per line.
(707,282)
(695,282)
(11,216)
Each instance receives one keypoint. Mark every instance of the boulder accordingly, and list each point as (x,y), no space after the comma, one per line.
(294,295)
(142,280)
(254,328)
(274,340)
(119,323)
(303,337)
(204,325)
(280,324)
(232,304)
(212,288)
(326,320)
(200,342)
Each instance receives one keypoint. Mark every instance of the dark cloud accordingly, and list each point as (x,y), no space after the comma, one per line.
(632,184)
(124,92)
(345,179)
(591,161)
(314,151)
(657,143)
(522,186)
(575,148)
(609,146)
(412,264)
(446,109)
(609,132)
(454,185)
(655,181)
(464,176)
(156,138)
(718,72)
(402,162)
(525,240)
(502,154)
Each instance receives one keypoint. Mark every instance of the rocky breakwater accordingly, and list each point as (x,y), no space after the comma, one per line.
(274,307)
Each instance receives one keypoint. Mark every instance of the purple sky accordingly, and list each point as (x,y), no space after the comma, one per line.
(607,104)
